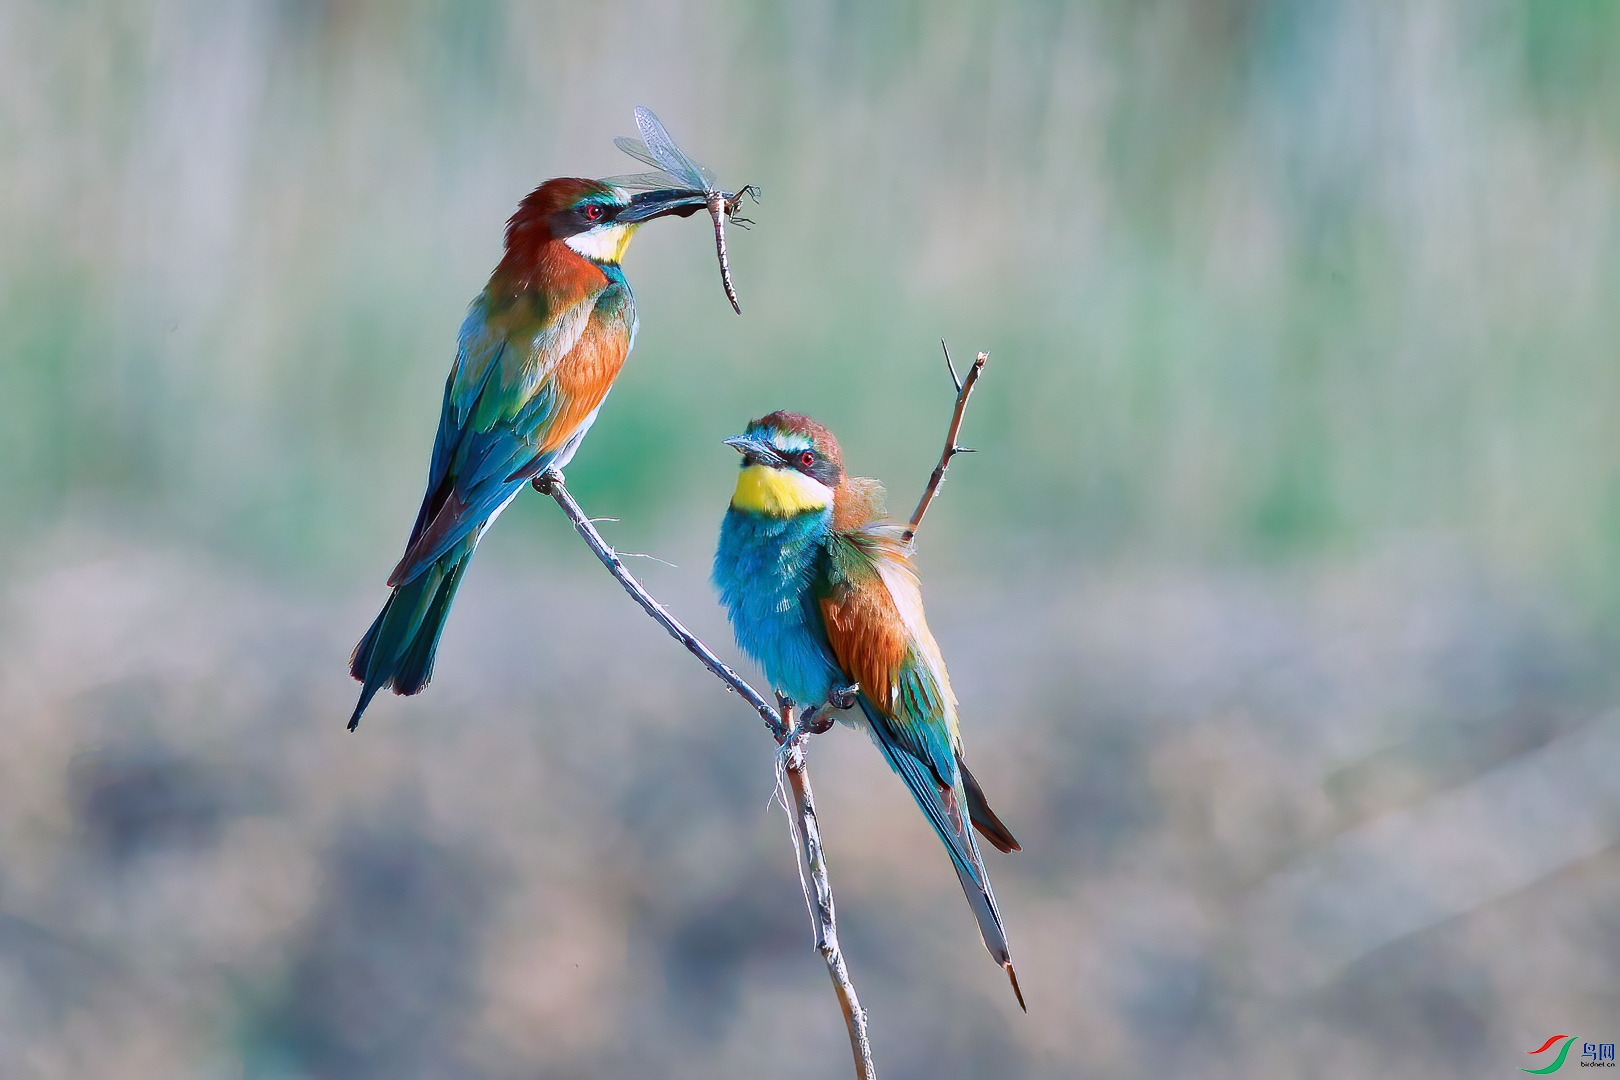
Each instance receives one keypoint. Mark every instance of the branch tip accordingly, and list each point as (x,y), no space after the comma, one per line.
(964,390)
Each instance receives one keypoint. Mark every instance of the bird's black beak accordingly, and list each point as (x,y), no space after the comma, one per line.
(756,451)
(646,205)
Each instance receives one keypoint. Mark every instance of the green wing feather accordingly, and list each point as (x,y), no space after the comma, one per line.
(871,607)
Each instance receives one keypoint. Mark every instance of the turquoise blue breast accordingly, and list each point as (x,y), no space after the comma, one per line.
(765,568)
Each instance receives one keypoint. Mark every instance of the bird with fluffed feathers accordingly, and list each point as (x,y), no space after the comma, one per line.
(538,351)
(821,592)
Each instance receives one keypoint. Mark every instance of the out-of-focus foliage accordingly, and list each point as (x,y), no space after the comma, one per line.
(1278,598)
(1260,278)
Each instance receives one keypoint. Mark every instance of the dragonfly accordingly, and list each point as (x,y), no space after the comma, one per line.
(672,168)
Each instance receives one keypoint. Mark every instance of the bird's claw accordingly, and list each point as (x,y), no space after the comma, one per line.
(817,720)
(547,482)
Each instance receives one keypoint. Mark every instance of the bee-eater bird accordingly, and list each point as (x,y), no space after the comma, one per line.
(539,349)
(823,596)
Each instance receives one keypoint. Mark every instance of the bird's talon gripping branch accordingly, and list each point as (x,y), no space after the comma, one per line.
(547,482)
(816,720)
(792,724)
(843,697)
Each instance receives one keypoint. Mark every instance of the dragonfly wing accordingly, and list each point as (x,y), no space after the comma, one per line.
(638,150)
(666,155)
(644,181)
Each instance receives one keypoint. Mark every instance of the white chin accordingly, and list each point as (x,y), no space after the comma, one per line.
(603,245)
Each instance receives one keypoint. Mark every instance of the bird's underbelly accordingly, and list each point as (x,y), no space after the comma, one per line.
(792,659)
(580,383)
(764,568)
(565,452)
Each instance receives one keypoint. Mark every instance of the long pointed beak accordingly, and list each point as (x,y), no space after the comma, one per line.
(646,205)
(756,451)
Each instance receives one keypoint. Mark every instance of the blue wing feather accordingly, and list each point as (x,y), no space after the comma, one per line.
(480,458)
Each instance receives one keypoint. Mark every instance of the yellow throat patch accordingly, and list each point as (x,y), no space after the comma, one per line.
(778,492)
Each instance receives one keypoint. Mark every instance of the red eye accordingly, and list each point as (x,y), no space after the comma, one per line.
(593,213)
(807,459)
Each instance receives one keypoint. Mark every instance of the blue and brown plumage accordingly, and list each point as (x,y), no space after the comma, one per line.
(823,595)
(539,349)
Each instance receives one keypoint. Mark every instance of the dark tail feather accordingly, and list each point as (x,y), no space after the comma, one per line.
(945,815)
(398,650)
(984,818)
(416,666)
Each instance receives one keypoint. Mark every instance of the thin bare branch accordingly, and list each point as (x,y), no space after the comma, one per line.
(793,784)
(792,772)
(964,389)
(552,484)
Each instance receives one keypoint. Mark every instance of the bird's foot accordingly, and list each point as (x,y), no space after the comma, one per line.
(817,720)
(547,482)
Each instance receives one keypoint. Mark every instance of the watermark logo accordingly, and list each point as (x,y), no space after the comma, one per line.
(1593,1055)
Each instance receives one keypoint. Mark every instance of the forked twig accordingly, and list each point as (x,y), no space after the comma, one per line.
(791,733)
(964,388)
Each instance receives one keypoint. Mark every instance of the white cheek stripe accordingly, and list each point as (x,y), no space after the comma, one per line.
(811,490)
(603,245)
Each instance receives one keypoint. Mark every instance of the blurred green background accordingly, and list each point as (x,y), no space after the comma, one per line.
(1280,597)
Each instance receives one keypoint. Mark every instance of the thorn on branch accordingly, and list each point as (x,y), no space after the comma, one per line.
(955,379)
(964,389)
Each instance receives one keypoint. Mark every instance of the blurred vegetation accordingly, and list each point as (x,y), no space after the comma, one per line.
(1261,280)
